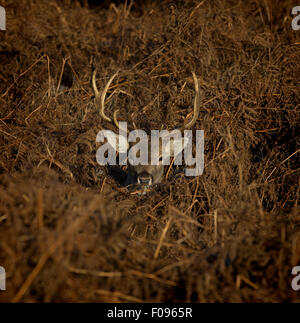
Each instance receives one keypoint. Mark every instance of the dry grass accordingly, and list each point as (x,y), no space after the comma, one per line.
(70,232)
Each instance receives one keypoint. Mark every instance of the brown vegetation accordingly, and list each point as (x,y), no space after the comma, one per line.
(69,231)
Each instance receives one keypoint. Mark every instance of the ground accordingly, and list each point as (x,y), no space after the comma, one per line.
(69,230)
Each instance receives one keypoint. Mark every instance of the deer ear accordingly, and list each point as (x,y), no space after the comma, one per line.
(118,142)
(176,146)
(185,142)
(122,144)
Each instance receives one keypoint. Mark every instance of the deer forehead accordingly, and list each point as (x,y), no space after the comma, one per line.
(155,145)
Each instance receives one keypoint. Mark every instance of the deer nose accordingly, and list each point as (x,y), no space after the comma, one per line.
(144,179)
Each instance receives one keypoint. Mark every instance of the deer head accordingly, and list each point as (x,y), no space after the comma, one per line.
(141,174)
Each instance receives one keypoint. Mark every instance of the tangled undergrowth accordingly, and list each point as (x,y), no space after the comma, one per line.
(69,231)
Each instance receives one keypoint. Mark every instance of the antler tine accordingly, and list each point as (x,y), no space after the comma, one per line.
(100,98)
(115,119)
(196,104)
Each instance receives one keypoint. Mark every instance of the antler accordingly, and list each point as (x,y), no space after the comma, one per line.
(196,105)
(100,98)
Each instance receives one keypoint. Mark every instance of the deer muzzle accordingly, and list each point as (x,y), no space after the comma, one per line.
(144,179)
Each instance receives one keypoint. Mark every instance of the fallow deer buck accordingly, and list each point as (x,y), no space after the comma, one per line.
(144,176)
